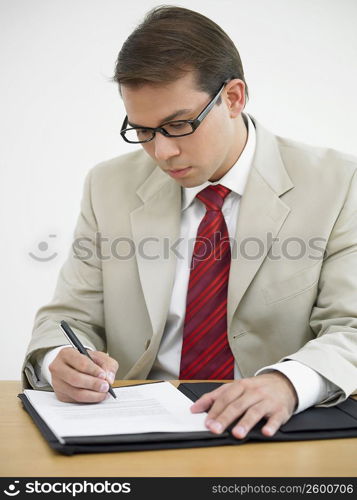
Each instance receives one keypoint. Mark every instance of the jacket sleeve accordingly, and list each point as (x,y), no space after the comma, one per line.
(78,297)
(333,353)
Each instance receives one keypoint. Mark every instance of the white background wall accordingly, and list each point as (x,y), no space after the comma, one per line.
(60,115)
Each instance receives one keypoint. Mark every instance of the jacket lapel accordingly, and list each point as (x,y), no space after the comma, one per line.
(155,227)
(261,216)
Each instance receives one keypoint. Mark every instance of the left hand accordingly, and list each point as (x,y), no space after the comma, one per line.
(271,396)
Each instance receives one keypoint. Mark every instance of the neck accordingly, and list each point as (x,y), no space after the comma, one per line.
(239,140)
(241,136)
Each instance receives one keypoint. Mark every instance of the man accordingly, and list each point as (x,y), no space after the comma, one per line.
(265,294)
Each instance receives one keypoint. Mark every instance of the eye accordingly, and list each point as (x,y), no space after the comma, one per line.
(143,133)
(178,128)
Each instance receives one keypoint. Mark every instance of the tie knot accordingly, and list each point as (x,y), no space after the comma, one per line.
(213,196)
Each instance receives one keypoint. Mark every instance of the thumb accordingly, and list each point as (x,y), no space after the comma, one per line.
(109,365)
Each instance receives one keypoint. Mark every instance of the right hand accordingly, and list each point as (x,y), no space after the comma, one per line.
(78,379)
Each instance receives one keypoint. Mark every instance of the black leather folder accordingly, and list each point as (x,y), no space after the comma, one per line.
(339,421)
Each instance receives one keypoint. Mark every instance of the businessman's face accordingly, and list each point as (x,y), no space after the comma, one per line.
(211,150)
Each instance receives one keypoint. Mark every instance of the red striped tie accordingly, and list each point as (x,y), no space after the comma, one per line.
(205,350)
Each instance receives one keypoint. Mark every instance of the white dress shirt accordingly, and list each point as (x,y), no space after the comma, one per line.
(311,388)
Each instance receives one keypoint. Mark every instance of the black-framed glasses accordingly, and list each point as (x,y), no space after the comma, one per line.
(176,128)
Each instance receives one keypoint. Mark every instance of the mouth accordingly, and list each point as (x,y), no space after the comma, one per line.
(179,172)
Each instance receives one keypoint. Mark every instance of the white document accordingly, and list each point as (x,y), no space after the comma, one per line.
(157,407)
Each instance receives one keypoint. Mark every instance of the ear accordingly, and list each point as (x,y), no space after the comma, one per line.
(234,96)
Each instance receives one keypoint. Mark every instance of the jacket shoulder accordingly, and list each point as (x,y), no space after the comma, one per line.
(319,160)
(131,168)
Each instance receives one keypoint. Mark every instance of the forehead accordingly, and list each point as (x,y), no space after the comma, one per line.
(150,104)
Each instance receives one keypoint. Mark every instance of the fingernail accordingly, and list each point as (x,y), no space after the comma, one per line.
(104,387)
(239,431)
(269,431)
(110,377)
(214,426)
(102,375)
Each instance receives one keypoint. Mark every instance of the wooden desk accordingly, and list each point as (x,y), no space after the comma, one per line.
(24,452)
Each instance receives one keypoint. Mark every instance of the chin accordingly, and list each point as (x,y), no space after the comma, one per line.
(189,183)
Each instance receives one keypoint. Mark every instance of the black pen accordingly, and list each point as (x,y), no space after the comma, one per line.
(76,343)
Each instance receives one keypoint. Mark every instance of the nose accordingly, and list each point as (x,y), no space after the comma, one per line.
(165,147)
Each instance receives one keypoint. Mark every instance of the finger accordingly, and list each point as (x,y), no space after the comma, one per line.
(203,403)
(68,394)
(251,417)
(206,401)
(108,364)
(79,362)
(218,422)
(79,380)
(274,423)
(227,399)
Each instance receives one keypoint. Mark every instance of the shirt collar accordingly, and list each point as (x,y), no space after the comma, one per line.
(236,177)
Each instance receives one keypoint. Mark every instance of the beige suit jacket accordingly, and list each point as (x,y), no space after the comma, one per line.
(293,277)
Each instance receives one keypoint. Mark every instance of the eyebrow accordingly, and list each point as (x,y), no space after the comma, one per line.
(168,118)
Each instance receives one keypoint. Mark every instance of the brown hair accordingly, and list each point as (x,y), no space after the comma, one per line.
(172,41)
